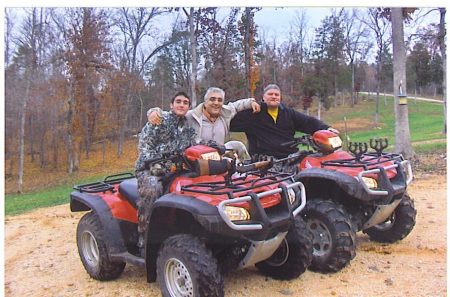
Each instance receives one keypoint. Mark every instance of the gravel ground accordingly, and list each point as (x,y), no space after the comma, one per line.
(41,259)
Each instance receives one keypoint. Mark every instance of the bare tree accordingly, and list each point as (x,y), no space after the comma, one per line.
(136,26)
(442,47)
(193,46)
(356,44)
(380,27)
(402,135)
(9,24)
(29,49)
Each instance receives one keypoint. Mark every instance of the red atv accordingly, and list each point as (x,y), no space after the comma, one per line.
(214,217)
(350,192)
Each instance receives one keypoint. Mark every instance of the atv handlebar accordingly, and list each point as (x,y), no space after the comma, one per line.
(254,166)
(304,140)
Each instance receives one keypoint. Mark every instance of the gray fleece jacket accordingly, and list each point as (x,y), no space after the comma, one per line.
(194,116)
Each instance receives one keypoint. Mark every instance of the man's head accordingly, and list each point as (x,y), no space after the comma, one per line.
(180,103)
(214,98)
(272,95)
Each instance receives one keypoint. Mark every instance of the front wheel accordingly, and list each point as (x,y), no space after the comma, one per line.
(334,240)
(92,249)
(185,267)
(398,225)
(293,256)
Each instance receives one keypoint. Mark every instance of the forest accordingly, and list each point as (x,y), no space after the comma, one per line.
(79,78)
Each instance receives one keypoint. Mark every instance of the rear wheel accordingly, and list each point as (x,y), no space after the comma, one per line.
(93,251)
(293,256)
(334,240)
(398,225)
(185,267)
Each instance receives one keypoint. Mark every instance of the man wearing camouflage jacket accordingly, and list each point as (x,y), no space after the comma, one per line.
(173,134)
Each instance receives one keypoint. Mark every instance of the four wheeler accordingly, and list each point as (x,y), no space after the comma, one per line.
(350,192)
(214,216)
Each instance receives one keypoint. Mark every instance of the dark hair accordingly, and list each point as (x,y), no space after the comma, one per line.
(180,94)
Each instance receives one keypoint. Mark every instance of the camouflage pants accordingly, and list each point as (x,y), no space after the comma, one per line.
(149,189)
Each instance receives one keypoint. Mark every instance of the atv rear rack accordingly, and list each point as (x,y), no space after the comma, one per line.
(236,185)
(367,160)
(103,186)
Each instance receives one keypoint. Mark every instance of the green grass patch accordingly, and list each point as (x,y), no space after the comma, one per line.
(21,203)
(431,148)
(426,120)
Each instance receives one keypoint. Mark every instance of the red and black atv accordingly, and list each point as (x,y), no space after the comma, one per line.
(351,192)
(214,217)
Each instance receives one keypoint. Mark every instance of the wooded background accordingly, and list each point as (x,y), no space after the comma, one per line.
(80,77)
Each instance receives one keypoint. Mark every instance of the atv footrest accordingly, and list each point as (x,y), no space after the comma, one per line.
(128,258)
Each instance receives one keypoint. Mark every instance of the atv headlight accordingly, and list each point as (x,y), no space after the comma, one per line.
(237,213)
(370,182)
(291,195)
(335,142)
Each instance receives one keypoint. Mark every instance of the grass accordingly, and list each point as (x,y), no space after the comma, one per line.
(56,195)
(425,119)
(431,148)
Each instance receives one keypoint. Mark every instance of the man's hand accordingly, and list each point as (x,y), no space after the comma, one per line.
(335,131)
(256,107)
(154,118)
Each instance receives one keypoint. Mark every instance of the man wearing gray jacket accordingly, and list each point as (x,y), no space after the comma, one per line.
(211,119)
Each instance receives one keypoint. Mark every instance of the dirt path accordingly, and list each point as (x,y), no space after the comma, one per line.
(41,259)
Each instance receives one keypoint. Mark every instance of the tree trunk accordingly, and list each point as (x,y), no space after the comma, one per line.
(22,134)
(402,135)
(442,48)
(352,65)
(141,113)
(193,43)
(31,133)
(377,98)
(72,166)
(55,147)
(247,49)
(42,162)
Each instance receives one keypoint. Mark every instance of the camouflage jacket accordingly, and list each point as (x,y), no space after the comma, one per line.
(172,135)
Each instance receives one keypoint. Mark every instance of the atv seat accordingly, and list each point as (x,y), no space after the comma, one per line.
(129,189)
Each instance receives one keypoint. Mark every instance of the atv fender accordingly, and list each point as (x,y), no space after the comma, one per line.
(347,183)
(190,204)
(85,202)
(201,211)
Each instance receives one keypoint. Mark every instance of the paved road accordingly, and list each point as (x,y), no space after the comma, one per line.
(409,97)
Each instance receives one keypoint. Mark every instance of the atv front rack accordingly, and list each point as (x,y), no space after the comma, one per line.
(106,185)
(404,165)
(371,163)
(236,185)
(367,160)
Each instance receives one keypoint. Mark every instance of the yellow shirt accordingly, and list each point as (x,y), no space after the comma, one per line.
(273,112)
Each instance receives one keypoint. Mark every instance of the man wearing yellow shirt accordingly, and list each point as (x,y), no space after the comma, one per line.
(274,125)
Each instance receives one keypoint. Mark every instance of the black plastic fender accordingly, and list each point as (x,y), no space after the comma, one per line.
(347,183)
(187,203)
(205,214)
(85,202)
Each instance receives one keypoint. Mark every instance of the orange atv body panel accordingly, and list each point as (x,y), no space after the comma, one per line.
(179,182)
